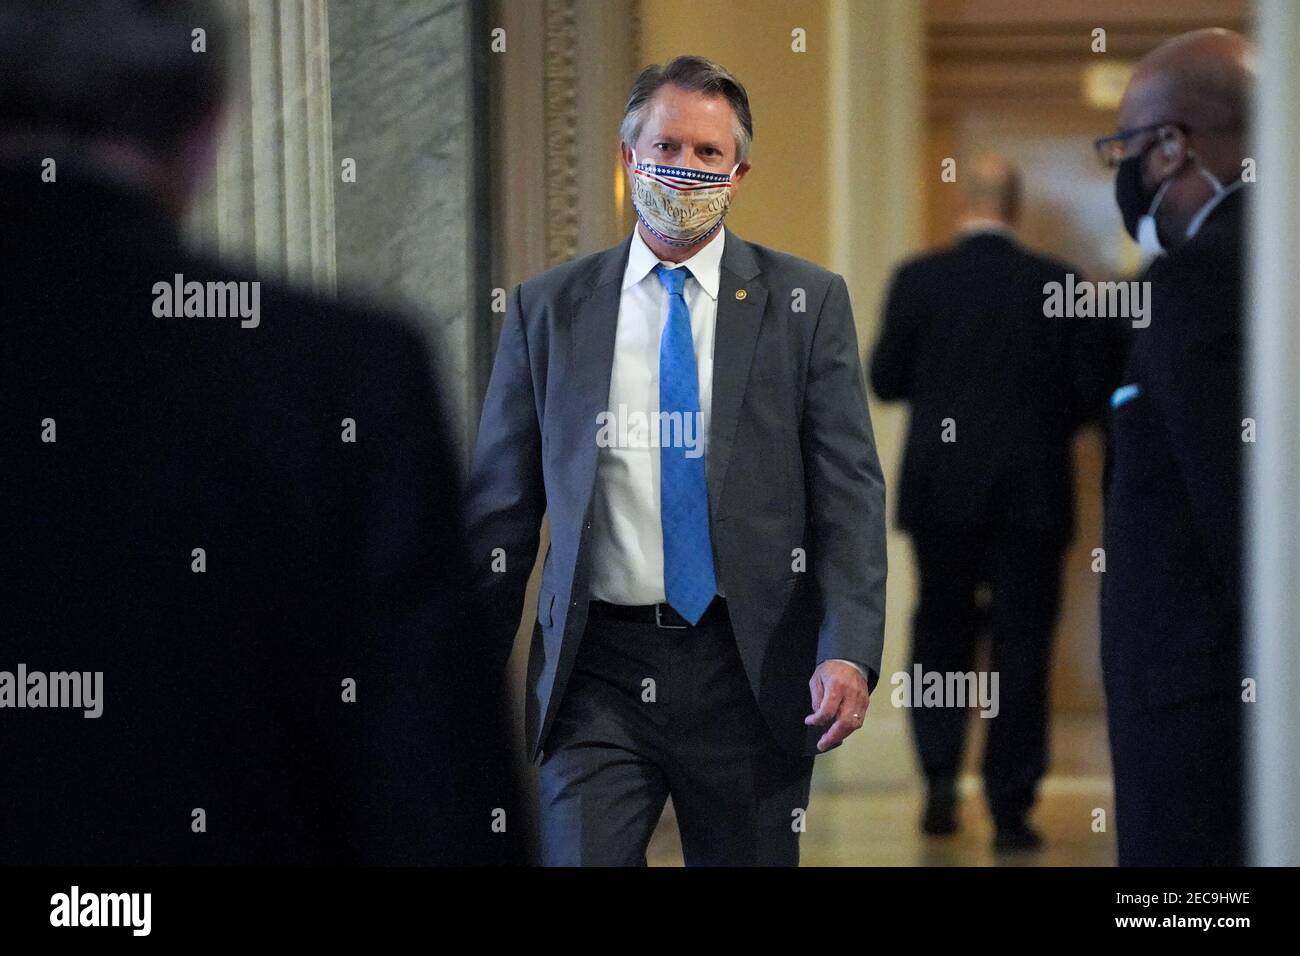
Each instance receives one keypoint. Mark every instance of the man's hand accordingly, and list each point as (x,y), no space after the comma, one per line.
(839,694)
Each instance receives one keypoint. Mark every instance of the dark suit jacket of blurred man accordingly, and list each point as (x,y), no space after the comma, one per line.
(1171,596)
(325,561)
(996,391)
(791,464)
(965,338)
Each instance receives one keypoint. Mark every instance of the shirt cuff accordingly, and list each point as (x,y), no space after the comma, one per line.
(861,670)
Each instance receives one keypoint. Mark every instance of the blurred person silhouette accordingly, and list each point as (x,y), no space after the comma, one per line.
(996,391)
(181,516)
(1171,595)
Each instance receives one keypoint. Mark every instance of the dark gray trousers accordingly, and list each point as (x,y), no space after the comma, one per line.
(650,713)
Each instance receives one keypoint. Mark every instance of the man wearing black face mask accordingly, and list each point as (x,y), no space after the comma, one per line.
(1171,597)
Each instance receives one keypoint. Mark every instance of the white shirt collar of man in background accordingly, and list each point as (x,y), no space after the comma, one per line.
(1203,213)
(976,224)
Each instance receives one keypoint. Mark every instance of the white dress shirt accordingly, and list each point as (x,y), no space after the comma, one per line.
(627,538)
(627,542)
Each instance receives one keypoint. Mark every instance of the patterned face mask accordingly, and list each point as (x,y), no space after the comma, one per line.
(679,205)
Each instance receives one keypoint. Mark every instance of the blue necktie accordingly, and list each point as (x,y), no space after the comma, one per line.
(689,582)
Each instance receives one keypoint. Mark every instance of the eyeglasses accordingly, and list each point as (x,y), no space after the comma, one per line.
(1112,150)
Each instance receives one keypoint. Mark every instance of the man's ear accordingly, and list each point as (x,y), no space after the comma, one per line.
(741,171)
(1172,151)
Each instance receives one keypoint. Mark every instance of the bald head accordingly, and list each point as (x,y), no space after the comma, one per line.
(1202,79)
(990,188)
(1197,89)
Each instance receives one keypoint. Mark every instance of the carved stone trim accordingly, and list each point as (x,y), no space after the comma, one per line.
(560,84)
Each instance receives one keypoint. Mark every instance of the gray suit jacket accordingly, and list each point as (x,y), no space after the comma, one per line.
(791,465)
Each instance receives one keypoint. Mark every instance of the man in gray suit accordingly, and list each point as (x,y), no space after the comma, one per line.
(689,410)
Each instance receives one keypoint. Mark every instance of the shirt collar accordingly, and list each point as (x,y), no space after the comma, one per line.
(705,265)
(1203,213)
(975,225)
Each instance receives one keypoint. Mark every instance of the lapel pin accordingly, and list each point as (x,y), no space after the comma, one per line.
(740,295)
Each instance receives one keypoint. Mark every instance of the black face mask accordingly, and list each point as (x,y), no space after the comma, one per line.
(1130,195)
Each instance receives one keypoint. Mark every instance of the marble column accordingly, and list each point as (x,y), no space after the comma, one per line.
(876,156)
(398,92)
(1273,462)
(271,199)
(877,66)
(409,109)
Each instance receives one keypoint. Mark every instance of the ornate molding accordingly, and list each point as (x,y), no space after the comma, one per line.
(560,104)
(635,29)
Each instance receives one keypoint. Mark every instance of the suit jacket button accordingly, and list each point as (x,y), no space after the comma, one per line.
(740,295)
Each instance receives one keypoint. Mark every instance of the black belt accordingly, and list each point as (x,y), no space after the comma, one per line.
(662,615)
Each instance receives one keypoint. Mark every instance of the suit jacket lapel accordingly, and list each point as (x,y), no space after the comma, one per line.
(741,300)
(595,322)
(591,358)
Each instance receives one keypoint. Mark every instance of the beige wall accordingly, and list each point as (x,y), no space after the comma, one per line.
(783,202)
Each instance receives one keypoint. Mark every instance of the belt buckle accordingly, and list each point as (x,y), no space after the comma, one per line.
(667,627)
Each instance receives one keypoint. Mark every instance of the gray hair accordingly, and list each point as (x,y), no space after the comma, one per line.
(694,74)
(110,69)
